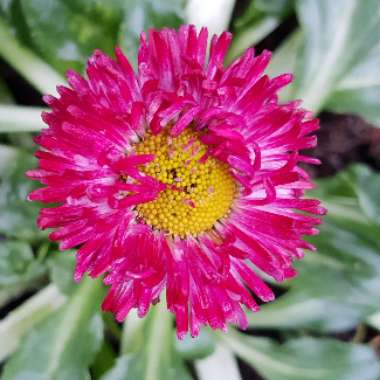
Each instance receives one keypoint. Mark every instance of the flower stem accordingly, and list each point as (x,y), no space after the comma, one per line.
(30,66)
(20,119)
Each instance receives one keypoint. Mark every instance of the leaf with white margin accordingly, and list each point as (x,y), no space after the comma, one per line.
(305,358)
(148,352)
(339,61)
(63,346)
(337,287)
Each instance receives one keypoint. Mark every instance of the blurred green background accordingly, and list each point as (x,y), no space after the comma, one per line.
(325,323)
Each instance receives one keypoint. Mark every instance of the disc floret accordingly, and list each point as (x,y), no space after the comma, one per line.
(200,189)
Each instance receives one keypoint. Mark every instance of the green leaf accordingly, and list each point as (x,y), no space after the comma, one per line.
(374,320)
(25,61)
(337,287)
(261,8)
(20,119)
(24,317)
(68,42)
(104,361)
(140,15)
(20,271)
(125,369)
(284,60)
(367,185)
(18,216)
(148,349)
(195,348)
(11,11)
(133,335)
(107,12)
(61,266)
(340,56)
(222,364)
(204,13)
(17,264)
(251,35)
(5,95)
(260,19)
(120,370)
(63,346)
(5,6)
(305,358)
(274,7)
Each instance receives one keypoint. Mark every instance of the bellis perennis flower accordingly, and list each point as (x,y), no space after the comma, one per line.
(181,178)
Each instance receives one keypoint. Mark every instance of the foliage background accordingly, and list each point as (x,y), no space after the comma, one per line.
(325,323)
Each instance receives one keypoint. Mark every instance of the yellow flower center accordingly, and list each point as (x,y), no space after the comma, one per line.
(199,192)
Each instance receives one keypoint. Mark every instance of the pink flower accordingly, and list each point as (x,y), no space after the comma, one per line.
(182,178)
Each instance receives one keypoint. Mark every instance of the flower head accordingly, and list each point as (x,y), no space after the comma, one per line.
(182,177)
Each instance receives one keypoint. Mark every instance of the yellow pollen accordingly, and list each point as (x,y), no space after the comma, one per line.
(199,192)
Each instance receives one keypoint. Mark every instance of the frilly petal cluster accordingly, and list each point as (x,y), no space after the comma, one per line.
(95,179)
